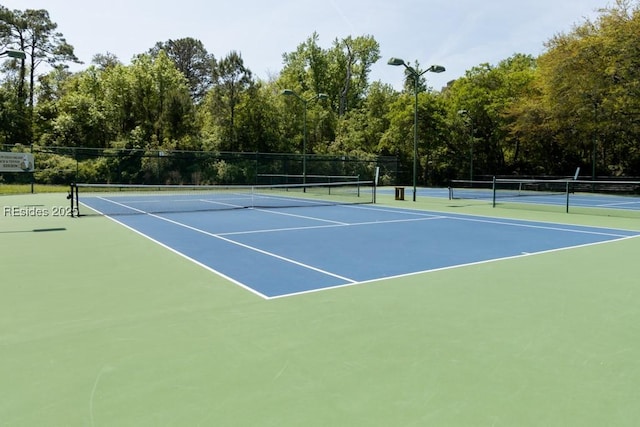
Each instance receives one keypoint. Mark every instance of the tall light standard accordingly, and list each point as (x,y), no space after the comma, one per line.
(416,76)
(304,101)
(595,141)
(12,53)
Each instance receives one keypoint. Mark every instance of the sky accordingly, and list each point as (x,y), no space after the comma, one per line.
(457,34)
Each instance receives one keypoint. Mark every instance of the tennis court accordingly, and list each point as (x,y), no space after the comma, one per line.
(326,245)
(444,313)
(570,195)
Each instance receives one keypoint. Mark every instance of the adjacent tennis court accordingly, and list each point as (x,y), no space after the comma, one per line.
(614,197)
(319,243)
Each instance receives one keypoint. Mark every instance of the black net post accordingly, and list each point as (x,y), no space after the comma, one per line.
(73,200)
(494,192)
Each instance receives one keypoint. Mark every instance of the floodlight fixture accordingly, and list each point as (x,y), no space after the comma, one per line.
(13,53)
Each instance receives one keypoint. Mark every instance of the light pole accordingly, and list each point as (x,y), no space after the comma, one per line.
(595,141)
(289,92)
(12,53)
(416,76)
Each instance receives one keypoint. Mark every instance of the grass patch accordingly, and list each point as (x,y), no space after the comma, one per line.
(37,188)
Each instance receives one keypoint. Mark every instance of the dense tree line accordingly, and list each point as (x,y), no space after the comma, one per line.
(576,105)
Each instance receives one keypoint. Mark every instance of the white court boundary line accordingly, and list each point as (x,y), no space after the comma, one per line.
(218,236)
(450,267)
(423,216)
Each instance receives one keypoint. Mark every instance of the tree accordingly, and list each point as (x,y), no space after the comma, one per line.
(33,32)
(352,58)
(488,94)
(306,69)
(231,83)
(146,104)
(361,129)
(192,60)
(160,100)
(105,61)
(258,120)
(589,79)
(342,71)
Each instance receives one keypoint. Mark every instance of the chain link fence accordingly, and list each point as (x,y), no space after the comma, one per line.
(64,165)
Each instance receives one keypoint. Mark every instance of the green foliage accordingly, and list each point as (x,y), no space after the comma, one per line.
(33,32)
(227,173)
(56,169)
(232,89)
(590,82)
(577,104)
(361,129)
(489,95)
(93,170)
(192,60)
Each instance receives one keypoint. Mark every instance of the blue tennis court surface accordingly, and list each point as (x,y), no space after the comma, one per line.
(281,252)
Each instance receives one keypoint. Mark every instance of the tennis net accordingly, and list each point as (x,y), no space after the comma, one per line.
(612,196)
(507,188)
(470,189)
(120,199)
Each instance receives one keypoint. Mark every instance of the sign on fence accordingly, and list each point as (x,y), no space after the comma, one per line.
(16,162)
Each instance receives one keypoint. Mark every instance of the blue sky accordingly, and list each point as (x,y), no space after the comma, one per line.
(458,34)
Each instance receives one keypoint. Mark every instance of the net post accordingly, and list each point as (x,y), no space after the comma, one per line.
(33,172)
(494,192)
(75,186)
(567,191)
(376,178)
(71,199)
(254,190)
